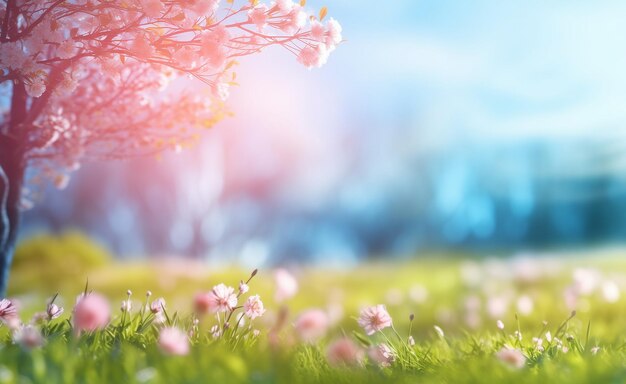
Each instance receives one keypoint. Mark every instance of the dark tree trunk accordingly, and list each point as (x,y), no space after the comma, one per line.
(10,191)
(12,168)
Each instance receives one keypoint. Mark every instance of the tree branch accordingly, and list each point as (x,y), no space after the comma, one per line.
(29,29)
(5,22)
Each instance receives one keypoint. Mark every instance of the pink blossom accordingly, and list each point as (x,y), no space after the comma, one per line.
(313,56)
(204,7)
(152,8)
(333,31)
(141,48)
(91,312)
(312,325)
(286,285)
(111,67)
(53,311)
(513,357)
(374,319)
(258,16)
(216,55)
(36,87)
(173,341)
(344,352)
(294,20)
(318,32)
(186,57)
(381,354)
(212,47)
(219,34)
(253,307)
(223,298)
(284,5)
(66,49)
(68,84)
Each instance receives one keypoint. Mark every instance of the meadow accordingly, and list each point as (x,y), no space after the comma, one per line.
(548,318)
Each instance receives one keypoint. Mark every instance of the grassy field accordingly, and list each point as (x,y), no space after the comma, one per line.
(539,338)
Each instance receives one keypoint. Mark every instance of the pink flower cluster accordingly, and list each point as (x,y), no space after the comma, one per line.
(71,56)
(200,37)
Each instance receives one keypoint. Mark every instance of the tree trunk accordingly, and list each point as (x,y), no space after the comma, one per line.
(12,168)
(10,193)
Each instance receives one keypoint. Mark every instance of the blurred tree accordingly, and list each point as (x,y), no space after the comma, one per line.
(85,79)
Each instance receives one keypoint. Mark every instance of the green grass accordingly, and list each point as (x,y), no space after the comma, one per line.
(127,353)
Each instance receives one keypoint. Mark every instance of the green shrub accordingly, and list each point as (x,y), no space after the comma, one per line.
(48,260)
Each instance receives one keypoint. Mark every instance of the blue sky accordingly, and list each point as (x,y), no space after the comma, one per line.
(491,69)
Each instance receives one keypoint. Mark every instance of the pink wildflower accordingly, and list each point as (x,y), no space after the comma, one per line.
(253,307)
(312,325)
(173,341)
(344,352)
(53,311)
(374,319)
(513,357)
(91,312)
(286,285)
(202,302)
(8,310)
(223,298)
(157,305)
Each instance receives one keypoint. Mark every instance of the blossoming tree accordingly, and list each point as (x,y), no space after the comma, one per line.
(105,79)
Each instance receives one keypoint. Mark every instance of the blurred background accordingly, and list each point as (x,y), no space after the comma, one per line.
(436,126)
